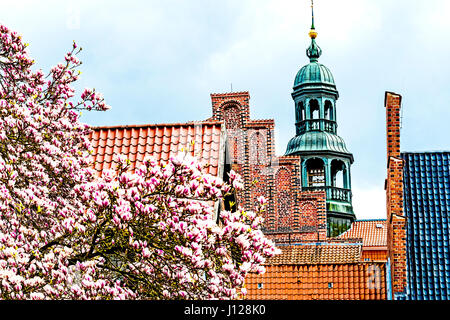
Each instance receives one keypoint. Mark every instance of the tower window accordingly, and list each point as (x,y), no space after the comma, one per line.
(316,173)
(314,109)
(337,174)
(329,115)
(301,112)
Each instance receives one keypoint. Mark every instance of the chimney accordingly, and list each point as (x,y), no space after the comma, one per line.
(392,102)
(396,240)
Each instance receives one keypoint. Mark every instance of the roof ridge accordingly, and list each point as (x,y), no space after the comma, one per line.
(261,120)
(175,124)
(155,136)
(230,93)
(343,243)
(424,152)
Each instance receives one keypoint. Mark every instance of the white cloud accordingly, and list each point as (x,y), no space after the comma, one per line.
(369,202)
(346,21)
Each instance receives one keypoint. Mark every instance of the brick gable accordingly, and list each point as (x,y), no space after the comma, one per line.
(291,215)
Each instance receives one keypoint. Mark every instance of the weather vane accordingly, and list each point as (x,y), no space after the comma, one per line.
(312,33)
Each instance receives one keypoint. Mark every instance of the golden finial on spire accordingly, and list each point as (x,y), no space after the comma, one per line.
(312,33)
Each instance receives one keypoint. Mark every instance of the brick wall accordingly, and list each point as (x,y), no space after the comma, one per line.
(290,215)
(222,101)
(393,106)
(396,235)
(250,144)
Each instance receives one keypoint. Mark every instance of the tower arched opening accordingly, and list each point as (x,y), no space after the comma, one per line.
(301,108)
(314,109)
(329,113)
(338,173)
(315,169)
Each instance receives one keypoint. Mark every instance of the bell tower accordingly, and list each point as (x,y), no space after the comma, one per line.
(326,162)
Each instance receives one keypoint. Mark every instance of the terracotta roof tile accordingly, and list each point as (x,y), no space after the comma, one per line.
(372,232)
(161,141)
(355,281)
(374,255)
(317,253)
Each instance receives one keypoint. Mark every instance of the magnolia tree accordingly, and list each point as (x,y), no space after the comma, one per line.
(66,233)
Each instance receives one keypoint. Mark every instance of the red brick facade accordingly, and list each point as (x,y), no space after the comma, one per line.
(307,219)
(396,235)
(291,215)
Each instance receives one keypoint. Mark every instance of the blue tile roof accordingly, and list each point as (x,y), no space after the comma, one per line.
(427,207)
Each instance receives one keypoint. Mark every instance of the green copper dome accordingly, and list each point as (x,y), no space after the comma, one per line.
(314,76)
(312,141)
(314,73)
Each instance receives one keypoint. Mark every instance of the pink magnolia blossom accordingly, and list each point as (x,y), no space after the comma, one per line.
(67,234)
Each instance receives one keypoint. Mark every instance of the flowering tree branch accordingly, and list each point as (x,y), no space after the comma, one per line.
(66,233)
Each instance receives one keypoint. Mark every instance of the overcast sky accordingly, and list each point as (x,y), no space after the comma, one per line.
(158,61)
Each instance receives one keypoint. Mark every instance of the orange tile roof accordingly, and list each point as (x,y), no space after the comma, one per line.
(317,253)
(372,232)
(355,281)
(374,255)
(160,141)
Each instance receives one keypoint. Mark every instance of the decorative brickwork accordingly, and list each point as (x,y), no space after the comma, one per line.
(222,101)
(284,201)
(291,215)
(232,116)
(308,220)
(396,234)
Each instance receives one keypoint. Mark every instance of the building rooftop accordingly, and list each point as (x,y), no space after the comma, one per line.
(205,140)
(352,281)
(317,253)
(373,233)
(317,141)
(427,206)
